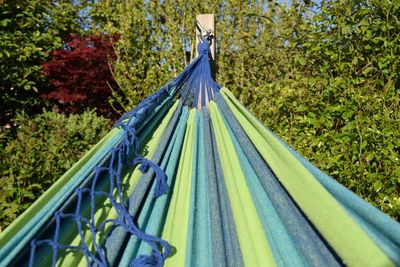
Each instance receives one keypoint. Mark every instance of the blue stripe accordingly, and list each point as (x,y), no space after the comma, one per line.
(198,252)
(225,244)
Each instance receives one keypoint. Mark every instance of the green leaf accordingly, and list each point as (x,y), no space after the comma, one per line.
(5,22)
(346,29)
(28,194)
(363,23)
(368,70)
(370,156)
(382,65)
(378,186)
(302,61)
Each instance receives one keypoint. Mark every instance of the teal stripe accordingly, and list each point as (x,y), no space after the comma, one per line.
(192,207)
(282,246)
(198,250)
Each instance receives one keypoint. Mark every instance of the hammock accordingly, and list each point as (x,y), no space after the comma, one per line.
(191,178)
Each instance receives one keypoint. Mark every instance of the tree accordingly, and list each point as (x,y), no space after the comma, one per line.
(81,74)
(29,30)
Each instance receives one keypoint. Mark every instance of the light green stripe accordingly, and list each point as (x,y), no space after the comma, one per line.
(342,233)
(176,225)
(253,244)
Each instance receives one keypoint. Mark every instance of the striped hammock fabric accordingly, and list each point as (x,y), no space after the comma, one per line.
(192,178)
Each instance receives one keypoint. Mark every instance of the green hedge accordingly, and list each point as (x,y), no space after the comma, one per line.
(40,150)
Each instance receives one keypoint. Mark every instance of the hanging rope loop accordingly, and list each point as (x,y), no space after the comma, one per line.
(161,186)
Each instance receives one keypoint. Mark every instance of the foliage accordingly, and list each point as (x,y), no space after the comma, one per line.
(29,30)
(43,148)
(80,73)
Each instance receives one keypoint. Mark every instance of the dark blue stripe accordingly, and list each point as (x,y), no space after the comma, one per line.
(225,244)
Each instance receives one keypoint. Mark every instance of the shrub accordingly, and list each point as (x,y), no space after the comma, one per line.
(39,152)
(80,73)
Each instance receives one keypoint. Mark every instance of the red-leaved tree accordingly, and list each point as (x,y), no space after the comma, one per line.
(80,73)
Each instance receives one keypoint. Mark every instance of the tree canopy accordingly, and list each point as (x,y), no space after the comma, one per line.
(29,31)
(81,73)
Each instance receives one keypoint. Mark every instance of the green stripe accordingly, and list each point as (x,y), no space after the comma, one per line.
(253,244)
(350,242)
(176,226)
